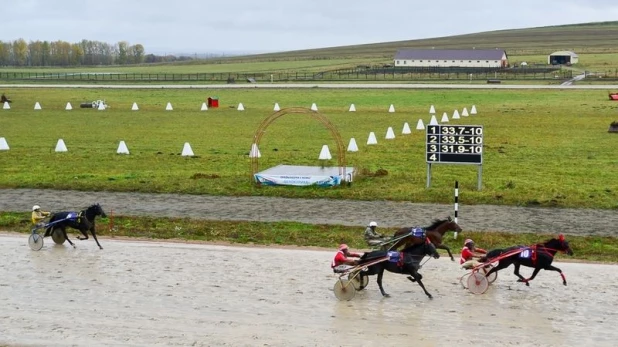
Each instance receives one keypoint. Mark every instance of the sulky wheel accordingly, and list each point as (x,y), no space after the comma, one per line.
(477,283)
(463,279)
(35,241)
(58,236)
(365,282)
(344,290)
(491,278)
(355,278)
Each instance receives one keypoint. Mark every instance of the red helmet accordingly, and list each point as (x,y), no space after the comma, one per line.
(343,246)
(468,241)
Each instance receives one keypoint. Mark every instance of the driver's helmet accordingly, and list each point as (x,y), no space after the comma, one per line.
(343,246)
(36,207)
(373,224)
(468,242)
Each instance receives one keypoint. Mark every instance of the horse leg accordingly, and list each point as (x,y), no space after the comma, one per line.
(66,237)
(85,233)
(380,274)
(521,278)
(443,246)
(417,276)
(534,273)
(94,234)
(553,268)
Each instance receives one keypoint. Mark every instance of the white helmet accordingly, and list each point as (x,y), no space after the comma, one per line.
(373,224)
(36,207)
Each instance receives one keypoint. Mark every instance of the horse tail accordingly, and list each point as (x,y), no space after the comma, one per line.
(491,254)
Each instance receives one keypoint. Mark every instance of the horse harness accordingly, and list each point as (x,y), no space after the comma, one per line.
(534,250)
(417,232)
(75,216)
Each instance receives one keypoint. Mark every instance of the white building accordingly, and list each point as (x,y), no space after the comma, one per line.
(563,58)
(477,58)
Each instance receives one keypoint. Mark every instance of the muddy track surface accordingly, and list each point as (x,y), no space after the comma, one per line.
(174,294)
(320,211)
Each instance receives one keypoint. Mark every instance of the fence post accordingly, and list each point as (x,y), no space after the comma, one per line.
(456,203)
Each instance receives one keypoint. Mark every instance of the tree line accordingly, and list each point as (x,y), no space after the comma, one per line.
(62,53)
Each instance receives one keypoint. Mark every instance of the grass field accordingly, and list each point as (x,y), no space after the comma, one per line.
(547,148)
(594,42)
(595,62)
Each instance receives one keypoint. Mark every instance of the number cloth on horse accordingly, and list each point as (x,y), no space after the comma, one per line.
(417,232)
(526,253)
(399,258)
(72,216)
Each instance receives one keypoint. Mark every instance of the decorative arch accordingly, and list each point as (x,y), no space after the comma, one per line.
(257,137)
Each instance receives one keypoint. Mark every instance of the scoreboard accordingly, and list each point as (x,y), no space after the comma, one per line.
(455,144)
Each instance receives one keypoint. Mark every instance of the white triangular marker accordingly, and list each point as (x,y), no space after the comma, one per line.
(204,107)
(4,146)
(255,152)
(391,109)
(352,108)
(434,120)
(456,114)
(390,134)
(473,110)
(6,106)
(325,153)
(37,106)
(372,139)
(444,118)
(240,107)
(406,129)
(276,108)
(169,107)
(420,125)
(134,107)
(352,147)
(314,107)
(68,107)
(432,110)
(186,150)
(60,146)
(464,112)
(122,148)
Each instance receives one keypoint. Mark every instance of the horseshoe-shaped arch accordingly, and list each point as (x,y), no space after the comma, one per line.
(257,137)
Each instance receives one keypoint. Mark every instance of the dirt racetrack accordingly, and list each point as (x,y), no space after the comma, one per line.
(174,294)
(136,293)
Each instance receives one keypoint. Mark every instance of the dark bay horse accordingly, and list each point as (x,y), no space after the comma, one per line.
(405,262)
(539,256)
(435,232)
(82,221)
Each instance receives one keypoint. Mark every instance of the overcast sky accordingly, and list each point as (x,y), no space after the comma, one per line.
(203,26)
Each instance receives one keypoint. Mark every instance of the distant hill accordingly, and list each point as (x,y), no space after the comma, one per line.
(598,37)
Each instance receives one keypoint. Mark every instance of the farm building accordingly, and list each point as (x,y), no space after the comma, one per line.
(563,58)
(476,58)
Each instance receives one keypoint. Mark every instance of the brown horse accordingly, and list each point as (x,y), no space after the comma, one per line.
(435,232)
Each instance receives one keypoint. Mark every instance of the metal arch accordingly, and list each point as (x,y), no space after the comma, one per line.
(257,137)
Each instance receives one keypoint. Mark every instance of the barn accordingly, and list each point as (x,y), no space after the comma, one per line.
(475,58)
(563,58)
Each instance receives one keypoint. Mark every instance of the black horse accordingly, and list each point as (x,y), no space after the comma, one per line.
(539,256)
(82,221)
(405,262)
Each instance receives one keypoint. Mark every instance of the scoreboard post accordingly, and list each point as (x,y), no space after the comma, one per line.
(455,144)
